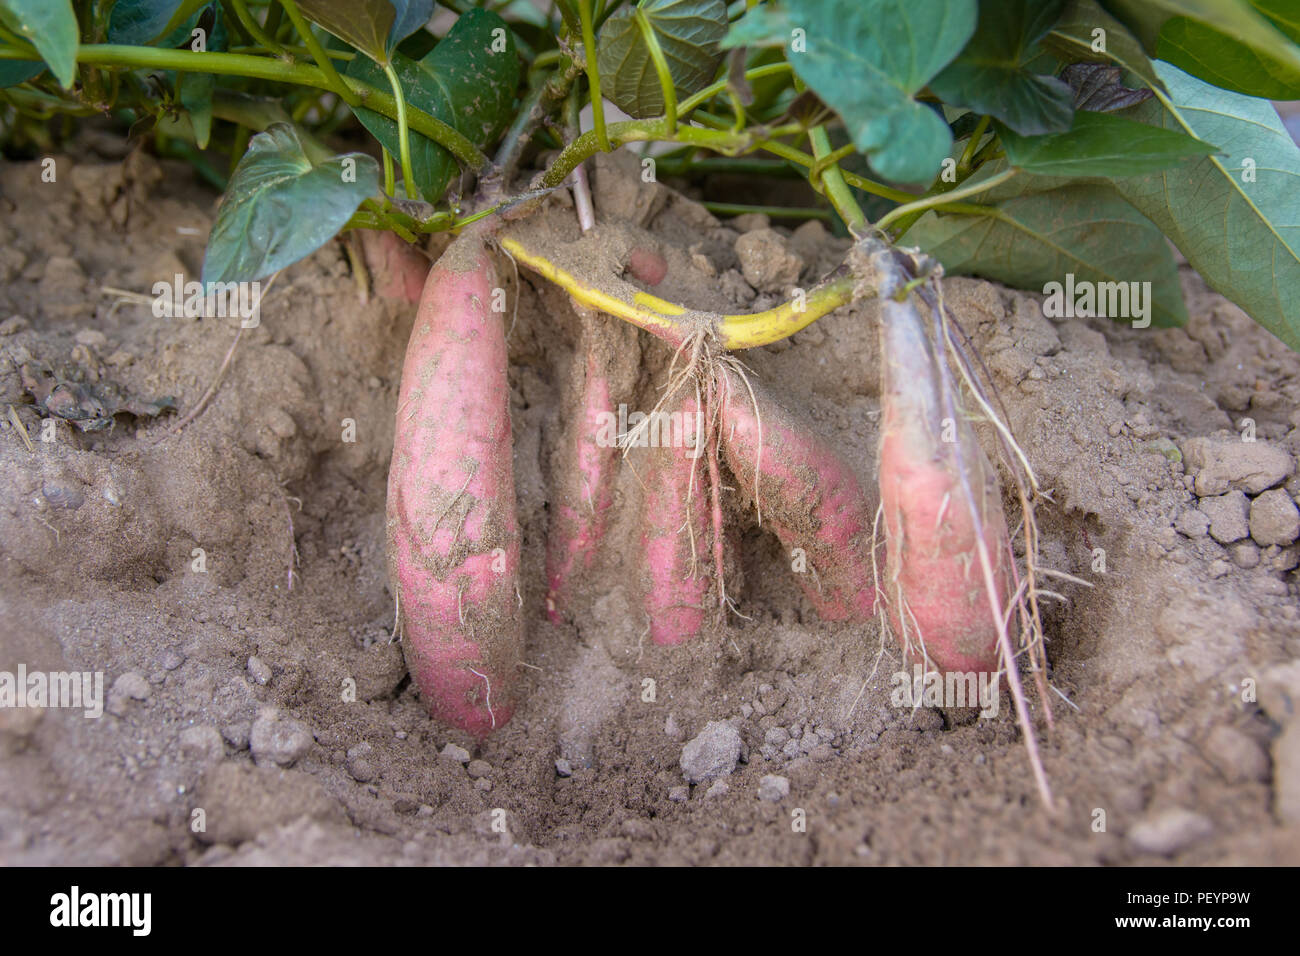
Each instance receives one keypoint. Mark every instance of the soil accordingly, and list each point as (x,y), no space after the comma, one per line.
(259,712)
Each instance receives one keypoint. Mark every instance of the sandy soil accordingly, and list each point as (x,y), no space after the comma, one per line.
(232,735)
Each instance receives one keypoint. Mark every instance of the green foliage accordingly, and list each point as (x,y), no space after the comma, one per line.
(1031,236)
(1234,215)
(466,81)
(50,27)
(281,206)
(689,33)
(1102,144)
(992,76)
(374,27)
(891,49)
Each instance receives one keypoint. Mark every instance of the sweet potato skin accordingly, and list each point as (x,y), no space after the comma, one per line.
(586,461)
(453,539)
(397,269)
(676,536)
(808,495)
(934,586)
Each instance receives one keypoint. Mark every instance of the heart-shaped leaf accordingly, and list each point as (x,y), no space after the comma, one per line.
(690,34)
(1101,144)
(991,73)
(281,207)
(468,81)
(50,27)
(1031,238)
(374,27)
(867,60)
(1235,215)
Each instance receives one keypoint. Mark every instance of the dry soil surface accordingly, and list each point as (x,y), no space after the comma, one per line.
(250,722)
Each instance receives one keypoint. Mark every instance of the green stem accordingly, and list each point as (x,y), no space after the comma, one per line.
(593,74)
(968,154)
(318,54)
(390,185)
(837,190)
(703,96)
(661,67)
(276,70)
(403,134)
(253,28)
(943,199)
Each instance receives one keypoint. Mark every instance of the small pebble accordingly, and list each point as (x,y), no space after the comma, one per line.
(1169,832)
(483,783)
(719,788)
(455,753)
(478,768)
(679,794)
(563,768)
(773,788)
(259,670)
(713,753)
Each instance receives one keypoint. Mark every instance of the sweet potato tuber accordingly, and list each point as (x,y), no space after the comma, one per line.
(397,268)
(807,494)
(453,542)
(940,495)
(676,537)
(586,460)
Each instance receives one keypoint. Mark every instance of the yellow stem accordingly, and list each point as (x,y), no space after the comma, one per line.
(674,322)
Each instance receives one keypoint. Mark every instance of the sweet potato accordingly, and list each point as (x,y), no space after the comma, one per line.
(806,494)
(397,268)
(453,541)
(932,471)
(585,464)
(676,537)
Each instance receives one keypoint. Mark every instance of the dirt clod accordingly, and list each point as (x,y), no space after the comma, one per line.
(712,753)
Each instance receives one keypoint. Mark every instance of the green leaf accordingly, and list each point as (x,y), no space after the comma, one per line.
(689,32)
(196,97)
(465,82)
(142,22)
(868,60)
(13,72)
(990,75)
(50,27)
(411,15)
(365,24)
(1223,60)
(1101,144)
(281,207)
(1233,18)
(1031,238)
(1073,39)
(1235,216)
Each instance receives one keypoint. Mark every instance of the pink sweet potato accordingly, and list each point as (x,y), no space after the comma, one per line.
(586,461)
(397,268)
(676,538)
(931,471)
(453,542)
(807,495)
